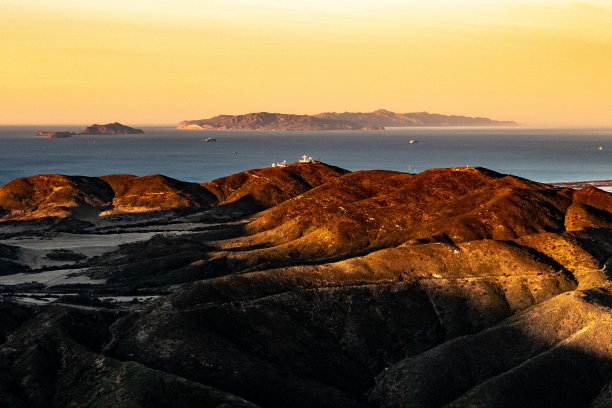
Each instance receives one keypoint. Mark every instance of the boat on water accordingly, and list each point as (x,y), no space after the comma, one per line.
(414,141)
(210,139)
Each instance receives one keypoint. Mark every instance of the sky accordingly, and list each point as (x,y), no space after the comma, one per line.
(538,62)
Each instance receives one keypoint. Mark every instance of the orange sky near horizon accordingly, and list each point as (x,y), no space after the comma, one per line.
(540,63)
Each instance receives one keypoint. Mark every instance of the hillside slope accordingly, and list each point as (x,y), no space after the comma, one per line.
(308,285)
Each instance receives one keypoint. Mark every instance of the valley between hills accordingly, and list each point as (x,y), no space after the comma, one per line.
(305,285)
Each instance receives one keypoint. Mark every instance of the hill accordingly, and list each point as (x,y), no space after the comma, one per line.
(55,195)
(308,285)
(270,186)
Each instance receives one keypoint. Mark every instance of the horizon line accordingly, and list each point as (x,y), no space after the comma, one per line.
(515,126)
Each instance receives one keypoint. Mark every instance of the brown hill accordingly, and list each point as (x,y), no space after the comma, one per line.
(454,287)
(387,118)
(56,195)
(115,128)
(270,186)
(591,207)
(375,209)
(355,213)
(594,197)
(271,121)
(53,195)
(155,192)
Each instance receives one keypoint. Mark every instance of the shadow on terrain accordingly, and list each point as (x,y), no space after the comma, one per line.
(324,347)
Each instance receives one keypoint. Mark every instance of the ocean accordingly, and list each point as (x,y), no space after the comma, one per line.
(545,155)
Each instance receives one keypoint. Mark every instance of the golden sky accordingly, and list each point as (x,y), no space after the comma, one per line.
(539,62)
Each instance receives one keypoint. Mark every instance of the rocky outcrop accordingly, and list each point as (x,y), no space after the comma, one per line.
(376,120)
(54,135)
(115,128)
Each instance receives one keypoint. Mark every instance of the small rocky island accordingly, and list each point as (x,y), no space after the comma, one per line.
(54,135)
(115,128)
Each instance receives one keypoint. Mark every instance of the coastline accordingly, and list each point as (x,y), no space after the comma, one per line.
(605,185)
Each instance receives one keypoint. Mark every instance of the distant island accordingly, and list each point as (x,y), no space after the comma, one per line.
(54,135)
(273,121)
(377,120)
(115,128)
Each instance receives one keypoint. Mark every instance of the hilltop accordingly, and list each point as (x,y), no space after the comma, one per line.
(376,120)
(56,195)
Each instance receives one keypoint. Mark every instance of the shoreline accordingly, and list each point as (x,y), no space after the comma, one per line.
(605,185)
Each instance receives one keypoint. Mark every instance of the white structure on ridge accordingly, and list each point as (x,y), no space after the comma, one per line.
(306,159)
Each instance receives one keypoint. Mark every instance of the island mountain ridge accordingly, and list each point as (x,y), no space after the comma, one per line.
(376,120)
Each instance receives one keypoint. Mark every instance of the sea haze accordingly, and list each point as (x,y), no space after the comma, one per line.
(544,155)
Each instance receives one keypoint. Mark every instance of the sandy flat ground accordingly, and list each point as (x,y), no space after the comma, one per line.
(51,278)
(90,245)
(76,242)
(35,249)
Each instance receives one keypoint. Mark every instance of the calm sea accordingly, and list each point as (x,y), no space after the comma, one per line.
(539,154)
